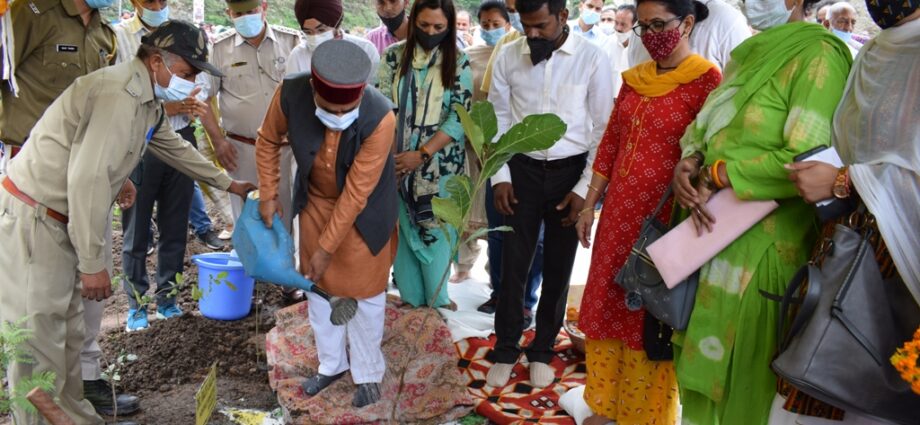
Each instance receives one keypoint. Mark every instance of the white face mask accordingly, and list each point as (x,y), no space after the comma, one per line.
(766,14)
(337,122)
(313,41)
(622,37)
(608,29)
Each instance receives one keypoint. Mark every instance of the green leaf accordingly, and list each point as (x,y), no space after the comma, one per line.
(483,114)
(534,133)
(230,285)
(180,279)
(196,293)
(473,132)
(447,211)
(482,232)
(222,275)
(454,209)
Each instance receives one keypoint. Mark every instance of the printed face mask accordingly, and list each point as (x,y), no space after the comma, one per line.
(886,13)
(765,14)
(337,122)
(661,44)
(491,37)
(178,89)
(155,18)
(314,40)
(249,26)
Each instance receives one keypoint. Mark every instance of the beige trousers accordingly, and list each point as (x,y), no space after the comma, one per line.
(39,282)
(246,170)
(91,354)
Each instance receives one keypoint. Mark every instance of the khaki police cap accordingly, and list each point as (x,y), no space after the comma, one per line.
(243,5)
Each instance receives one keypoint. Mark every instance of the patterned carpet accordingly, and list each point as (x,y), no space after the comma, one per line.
(519,402)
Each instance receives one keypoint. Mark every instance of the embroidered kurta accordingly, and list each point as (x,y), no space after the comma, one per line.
(328,220)
(637,155)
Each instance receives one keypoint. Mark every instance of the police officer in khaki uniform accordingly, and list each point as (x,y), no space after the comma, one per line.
(253,61)
(57,41)
(58,191)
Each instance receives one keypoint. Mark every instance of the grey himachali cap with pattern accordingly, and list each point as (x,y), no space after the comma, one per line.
(184,40)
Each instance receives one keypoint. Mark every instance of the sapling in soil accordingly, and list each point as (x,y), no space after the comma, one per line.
(12,337)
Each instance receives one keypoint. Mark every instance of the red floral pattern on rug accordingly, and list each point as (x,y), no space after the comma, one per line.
(518,401)
(434,391)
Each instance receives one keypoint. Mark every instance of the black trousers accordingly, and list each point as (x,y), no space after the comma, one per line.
(172,192)
(538,186)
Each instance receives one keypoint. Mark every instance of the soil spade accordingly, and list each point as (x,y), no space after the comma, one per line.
(268,256)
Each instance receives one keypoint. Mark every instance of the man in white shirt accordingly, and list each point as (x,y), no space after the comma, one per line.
(841,20)
(549,71)
(589,16)
(321,21)
(713,38)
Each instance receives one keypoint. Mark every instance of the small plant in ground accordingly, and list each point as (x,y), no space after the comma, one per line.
(12,336)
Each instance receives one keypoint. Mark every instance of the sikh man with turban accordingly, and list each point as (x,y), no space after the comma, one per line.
(320,21)
(341,132)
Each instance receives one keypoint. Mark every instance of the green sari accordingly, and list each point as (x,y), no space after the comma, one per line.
(777,100)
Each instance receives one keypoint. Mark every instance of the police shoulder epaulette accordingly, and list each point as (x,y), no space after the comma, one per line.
(287,30)
(224,35)
(41,6)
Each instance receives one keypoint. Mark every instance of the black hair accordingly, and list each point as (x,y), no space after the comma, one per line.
(631,9)
(683,8)
(493,5)
(528,6)
(808,5)
(448,46)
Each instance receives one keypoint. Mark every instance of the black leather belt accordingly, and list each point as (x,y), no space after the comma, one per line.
(556,164)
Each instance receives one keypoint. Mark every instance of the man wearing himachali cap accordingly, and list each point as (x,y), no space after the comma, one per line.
(341,133)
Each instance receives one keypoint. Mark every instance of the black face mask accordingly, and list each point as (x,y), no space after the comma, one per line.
(395,22)
(541,48)
(429,41)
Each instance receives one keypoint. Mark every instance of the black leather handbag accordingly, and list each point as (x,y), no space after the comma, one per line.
(643,284)
(850,322)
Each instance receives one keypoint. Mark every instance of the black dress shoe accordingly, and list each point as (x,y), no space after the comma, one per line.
(316,383)
(488,307)
(366,394)
(99,394)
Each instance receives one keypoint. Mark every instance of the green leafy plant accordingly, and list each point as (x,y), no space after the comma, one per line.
(12,337)
(533,133)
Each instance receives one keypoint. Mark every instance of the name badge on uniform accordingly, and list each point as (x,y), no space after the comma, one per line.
(238,64)
(67,48)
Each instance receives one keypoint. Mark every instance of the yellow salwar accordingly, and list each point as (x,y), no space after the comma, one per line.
(625,386)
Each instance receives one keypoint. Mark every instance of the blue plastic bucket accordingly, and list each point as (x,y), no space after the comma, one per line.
(220,300)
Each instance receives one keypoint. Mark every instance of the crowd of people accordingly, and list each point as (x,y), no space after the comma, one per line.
(349,139)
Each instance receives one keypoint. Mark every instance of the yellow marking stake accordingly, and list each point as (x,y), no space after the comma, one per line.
(206,397)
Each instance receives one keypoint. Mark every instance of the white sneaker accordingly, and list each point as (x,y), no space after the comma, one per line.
(499,375)
(541,375)
(225,235)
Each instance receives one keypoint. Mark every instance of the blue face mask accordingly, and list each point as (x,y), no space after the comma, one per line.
(155,18)
(249,26)
(845,36)
(516,22)
(337,122)
(491,37)
(590,17)
(178,90)
(99,4)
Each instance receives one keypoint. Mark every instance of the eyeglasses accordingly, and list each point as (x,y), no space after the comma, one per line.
(656,26)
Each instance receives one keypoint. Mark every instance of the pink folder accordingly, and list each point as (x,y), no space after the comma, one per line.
(680,252)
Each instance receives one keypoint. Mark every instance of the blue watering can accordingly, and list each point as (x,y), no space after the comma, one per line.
(268,255)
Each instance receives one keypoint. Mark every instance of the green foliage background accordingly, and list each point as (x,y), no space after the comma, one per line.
(358,13)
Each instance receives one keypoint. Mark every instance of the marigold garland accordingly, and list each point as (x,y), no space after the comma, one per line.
(907,361)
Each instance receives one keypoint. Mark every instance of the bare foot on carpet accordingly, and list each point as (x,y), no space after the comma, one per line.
(459,277)
(596,420)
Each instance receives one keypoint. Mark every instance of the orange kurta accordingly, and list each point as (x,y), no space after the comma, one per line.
(328,220)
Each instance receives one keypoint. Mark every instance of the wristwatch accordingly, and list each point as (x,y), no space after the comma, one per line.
(425,155)
(841,188)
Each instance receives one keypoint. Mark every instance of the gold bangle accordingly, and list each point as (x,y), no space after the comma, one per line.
(594,188)
(714,174)
(584,210)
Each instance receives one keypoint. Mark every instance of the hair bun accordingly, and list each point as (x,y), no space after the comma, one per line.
(700,10)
